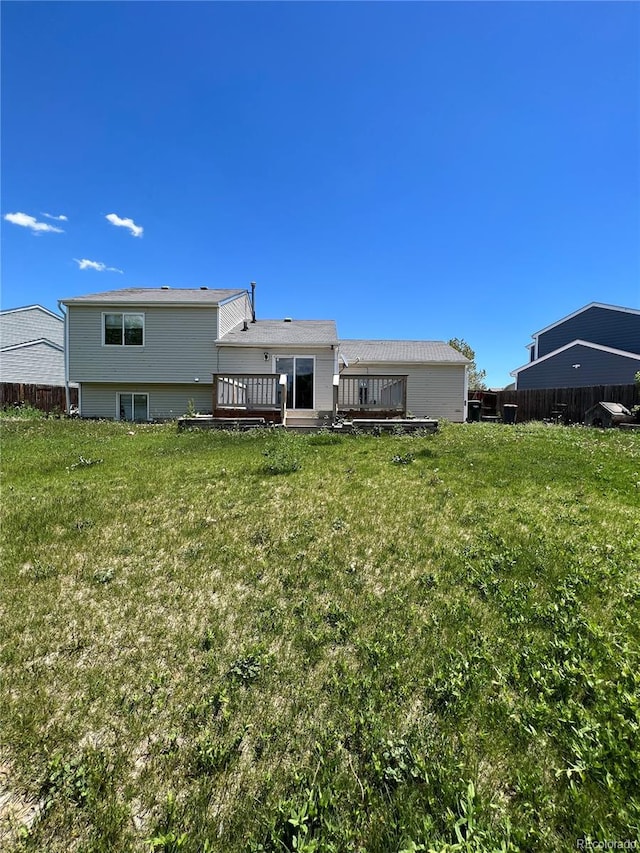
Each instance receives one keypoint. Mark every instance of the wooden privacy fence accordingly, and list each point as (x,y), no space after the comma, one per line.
(48,398)
(544,403)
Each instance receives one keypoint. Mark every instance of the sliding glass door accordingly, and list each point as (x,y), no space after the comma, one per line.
(300,374)
(133,407)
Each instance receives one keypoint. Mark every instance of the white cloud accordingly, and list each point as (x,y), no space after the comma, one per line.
(114,219)
(61,218)
(31,222)
(85,264)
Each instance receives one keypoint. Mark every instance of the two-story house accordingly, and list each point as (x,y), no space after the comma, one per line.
(32,346)
(596,345)
(155,353)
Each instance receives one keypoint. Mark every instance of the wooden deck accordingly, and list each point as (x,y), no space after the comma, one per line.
(250,395)
(368,396)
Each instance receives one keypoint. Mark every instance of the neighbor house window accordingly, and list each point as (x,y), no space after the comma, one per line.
(124,330)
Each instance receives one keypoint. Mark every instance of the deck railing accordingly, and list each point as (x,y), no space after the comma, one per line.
(368,394)
(249,394)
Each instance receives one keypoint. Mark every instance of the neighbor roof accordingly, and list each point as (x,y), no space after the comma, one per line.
(31,308)
(604,305)
(576,343)
(400,351)
(156,296)
(282,333)
(24,344)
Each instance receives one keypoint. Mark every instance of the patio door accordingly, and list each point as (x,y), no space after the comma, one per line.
(133,407)
(300,380)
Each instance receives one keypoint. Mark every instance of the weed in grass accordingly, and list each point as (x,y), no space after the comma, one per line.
(43,571)
(403,459)
(84,463)
(245,669)
(22,411)
(283,455)
(103,576)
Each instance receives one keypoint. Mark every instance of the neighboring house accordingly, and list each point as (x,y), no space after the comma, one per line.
(145,353)
(32,346)
(596,345)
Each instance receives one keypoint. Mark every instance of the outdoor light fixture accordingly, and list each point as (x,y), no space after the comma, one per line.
(575,366)
(266,356)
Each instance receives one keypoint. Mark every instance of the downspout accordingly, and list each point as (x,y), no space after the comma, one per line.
(466,394)
(67,393)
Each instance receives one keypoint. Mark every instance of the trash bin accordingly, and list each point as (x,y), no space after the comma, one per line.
(473,410)
(509,413)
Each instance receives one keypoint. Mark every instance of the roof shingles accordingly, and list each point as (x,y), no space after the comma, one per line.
(157,296)
(411,352)
(282,333)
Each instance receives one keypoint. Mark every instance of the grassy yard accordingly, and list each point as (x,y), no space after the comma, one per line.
(267,642)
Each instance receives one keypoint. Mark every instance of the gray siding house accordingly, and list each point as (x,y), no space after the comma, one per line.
(596,345)
(32,346)
(155,353)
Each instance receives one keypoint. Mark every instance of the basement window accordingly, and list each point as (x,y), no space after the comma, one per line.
(123,330)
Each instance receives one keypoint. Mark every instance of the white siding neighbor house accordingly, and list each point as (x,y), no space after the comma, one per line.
(32,346)
(159,353)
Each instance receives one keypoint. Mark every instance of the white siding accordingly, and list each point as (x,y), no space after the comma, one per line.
(30,324)
(178,346)
(37,364)
(231,314)
(433,390)
(252,360)
(165,401)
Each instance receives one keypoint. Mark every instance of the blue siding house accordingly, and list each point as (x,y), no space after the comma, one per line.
(596,345)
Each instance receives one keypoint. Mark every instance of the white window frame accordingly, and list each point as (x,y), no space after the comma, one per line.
(123,315)
(132,393)
(294,356)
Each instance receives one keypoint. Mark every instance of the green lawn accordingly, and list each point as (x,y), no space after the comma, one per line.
(269,642)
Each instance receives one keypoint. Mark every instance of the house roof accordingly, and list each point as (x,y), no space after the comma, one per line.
(411,352)
(282,333)
(589,344)
(32,308)
(23,344)
(156,296)
(582,310)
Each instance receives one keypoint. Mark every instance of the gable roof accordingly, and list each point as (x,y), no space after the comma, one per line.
(411,352)
(282,333)
(6,311)
(582,310)
(154,296)
(23,344)
(600,347)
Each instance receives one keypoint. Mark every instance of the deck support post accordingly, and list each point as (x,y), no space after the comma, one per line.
(214,401)
(283,398)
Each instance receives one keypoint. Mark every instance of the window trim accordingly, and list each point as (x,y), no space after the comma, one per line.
(124,314)
(132,393)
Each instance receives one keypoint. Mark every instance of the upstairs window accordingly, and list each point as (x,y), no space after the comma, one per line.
(123,330)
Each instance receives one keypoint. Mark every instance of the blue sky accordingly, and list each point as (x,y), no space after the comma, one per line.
(411,170)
